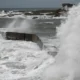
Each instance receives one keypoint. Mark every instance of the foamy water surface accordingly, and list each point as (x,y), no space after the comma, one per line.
(22,60)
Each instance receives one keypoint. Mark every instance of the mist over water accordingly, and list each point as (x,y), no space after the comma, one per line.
(21,25)
(67,62)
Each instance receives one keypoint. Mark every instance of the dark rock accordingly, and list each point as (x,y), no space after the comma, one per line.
(34,17)
(25,37)
(67,4)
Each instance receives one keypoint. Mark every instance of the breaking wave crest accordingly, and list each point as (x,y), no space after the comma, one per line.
(67,62)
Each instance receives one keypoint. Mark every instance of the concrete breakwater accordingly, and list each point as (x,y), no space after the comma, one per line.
(23,37)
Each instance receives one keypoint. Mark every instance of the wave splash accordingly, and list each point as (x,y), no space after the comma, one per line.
(67,62)
(21,25)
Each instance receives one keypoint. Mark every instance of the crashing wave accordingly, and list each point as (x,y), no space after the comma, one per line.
(67,62)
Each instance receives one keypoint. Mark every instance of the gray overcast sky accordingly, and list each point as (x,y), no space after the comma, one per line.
(34,3)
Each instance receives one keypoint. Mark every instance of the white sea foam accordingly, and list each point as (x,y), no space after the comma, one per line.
(21,60)
(67,62)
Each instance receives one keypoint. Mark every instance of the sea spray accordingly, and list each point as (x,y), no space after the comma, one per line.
(21,25)
(67,62)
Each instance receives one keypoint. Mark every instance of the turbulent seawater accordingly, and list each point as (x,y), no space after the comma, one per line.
(59,59)
(67,60)
(44,28)
(22,60)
